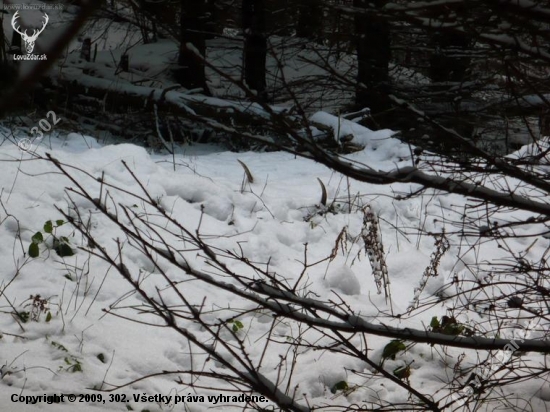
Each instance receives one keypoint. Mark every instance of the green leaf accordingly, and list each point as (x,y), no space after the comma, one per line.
(237,325)
(48,227)
(449,326)
(59,222)
(68,276)
(24,316)
(34,251)
(339,386)
(434,323)
(59,346)
(77,367)
(101,357)
(393,348)
(37,238)
(62,249)
(48,317)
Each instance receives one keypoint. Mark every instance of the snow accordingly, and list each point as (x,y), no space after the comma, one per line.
(361,135)
(343,279)
(274,222)
(266,220)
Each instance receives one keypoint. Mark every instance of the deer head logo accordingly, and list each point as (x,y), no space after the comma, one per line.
(29,40)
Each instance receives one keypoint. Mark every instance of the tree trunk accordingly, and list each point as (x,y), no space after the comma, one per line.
(214,25)
(255,46)
(448,62)
(15,47)
(445,66)
(310,18)
(373,58)
(3,55)
(191,73)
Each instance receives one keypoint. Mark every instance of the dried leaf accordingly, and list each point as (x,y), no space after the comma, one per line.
(323,192)
(249,176)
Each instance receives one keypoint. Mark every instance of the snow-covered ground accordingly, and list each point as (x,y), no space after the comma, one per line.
(74,346)
(65,322)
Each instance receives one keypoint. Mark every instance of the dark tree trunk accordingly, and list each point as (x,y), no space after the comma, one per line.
(124,63)
(214,25)
(255,46)
(86,51)
(310,18)
(191,73)
(449,62)
(373,58)
(446,63)
(3,55)
(15,47)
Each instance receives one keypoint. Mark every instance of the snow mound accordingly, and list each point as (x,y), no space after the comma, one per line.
(379,145)
(537,151)
(343,279)
(342,127)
